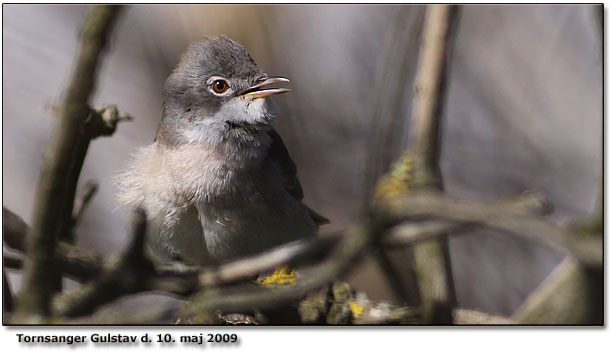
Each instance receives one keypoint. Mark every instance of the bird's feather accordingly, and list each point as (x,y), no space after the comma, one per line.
(280,154)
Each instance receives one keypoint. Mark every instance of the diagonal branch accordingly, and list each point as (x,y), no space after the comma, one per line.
(53,186)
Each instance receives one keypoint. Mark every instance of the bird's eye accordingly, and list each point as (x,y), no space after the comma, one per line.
(220,86)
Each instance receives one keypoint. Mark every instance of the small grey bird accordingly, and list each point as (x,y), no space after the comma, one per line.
(217,182)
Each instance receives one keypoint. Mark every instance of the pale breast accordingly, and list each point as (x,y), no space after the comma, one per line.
(241,205)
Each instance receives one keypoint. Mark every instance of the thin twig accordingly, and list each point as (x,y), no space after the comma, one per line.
(527,203)
(82,200)
(494,216)
(408,234)
(292,254)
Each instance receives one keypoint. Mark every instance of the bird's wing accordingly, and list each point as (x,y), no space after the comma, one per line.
(279,154)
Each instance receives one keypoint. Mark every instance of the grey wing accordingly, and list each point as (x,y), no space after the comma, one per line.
(279,153)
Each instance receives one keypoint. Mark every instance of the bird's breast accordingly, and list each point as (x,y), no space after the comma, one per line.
(212,176)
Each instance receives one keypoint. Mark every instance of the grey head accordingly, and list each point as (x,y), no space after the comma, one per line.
(216,93)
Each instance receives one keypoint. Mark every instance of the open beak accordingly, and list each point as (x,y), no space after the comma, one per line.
(257,90)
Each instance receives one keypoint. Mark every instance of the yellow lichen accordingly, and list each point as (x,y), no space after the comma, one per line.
(357,309)
(282,275)
(396,181)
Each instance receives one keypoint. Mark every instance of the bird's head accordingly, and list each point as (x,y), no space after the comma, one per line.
(217,92)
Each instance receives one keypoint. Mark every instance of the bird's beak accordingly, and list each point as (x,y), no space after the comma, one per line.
(256,91)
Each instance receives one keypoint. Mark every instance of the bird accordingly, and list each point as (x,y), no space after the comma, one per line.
(217,183)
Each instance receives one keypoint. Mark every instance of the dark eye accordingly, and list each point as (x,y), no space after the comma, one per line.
(220,86)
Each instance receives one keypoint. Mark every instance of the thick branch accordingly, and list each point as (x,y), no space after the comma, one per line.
(49,204)
(430,90)
(431,258)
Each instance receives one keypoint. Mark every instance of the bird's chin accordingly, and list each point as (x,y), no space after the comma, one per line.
(242,119)
(248,113)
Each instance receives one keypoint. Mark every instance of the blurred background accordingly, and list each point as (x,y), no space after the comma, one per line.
(523,111)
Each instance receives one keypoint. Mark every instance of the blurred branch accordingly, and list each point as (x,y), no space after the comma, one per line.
(133,273)
(569,295)
(409,233)
(472,317)
(123,277)
(11,261)
(82,265)
(431,258)
(77,263)
(430,91)
(82,200)
(238,298)
(128,275)
(573,292)
(495,216)
(62,156)
(7,294)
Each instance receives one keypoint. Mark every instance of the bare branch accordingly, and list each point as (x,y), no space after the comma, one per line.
(408,234)
(292,254)
(430,90)
(82,200)
(126,276)
(77,263)
(239,298)
(431,258)
(472,317)
(82,265)
(49,205)
(526,203)
(494,216)
(571,294)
